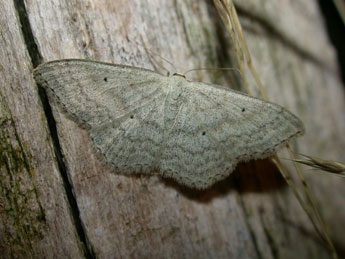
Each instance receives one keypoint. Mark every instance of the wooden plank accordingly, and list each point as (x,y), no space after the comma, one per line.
(250,215)
(35,218)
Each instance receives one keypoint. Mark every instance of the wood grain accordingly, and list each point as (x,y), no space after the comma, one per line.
(35,215)
(252,214)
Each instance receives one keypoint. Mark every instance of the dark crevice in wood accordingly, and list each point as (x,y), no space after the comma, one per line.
(27,33)
(336,31)
(36,60)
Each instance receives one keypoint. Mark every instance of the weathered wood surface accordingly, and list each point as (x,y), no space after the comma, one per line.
(35,215)
(250,215)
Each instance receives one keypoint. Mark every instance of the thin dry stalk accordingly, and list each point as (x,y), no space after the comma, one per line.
(224,10)
(292,185)
(329,166)
(314,206)
(239,32)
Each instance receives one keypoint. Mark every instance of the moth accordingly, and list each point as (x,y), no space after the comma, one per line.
(143,122)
